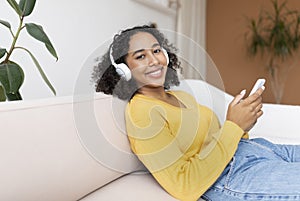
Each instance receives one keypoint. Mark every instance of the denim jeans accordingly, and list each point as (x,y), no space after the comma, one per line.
(259,170)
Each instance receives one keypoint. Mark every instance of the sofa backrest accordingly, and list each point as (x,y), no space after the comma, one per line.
(63,148)
(208,95)
(51,149)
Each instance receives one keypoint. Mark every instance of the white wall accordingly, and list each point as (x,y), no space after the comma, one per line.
(76,28)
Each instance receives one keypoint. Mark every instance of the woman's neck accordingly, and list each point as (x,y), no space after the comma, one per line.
(158,92)
(161,94)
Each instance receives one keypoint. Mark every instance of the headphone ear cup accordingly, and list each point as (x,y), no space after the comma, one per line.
(123,70)
(166,55)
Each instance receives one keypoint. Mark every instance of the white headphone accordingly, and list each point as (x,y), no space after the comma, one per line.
(123,70)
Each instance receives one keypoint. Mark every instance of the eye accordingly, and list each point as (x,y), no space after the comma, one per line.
(156,51)
(139,57)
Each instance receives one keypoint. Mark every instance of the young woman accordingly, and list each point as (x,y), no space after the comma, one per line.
(181,142)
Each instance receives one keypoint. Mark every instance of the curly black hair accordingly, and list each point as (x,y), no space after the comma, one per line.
(108,81)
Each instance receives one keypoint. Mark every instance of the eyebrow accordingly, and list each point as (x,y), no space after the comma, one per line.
(141,50)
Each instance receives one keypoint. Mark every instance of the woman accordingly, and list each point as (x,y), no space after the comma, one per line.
(181,142)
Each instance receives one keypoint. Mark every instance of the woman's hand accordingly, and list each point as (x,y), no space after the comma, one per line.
(245,112)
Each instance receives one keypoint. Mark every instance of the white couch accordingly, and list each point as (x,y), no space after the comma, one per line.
(75,148)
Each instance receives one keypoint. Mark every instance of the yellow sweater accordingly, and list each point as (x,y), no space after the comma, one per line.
(185,149)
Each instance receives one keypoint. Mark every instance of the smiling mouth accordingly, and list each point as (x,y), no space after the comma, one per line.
(155,73)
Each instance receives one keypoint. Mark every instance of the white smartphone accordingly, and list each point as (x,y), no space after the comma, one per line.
(258,84)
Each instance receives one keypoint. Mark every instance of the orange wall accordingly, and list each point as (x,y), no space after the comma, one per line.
(226,26)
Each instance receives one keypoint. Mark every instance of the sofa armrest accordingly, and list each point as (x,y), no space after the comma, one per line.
(279,123)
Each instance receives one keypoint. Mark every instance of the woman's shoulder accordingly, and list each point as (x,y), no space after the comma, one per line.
(139,103)
(140,106)
(143,103)
(140,99)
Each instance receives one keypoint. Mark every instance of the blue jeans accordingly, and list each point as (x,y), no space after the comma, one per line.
(259,170)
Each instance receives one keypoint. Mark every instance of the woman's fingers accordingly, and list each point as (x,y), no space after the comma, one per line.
(256,95)
(238,98)
(246,112)
(254,101)
(259,107)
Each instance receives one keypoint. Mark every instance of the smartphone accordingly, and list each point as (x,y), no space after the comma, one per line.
(258,84)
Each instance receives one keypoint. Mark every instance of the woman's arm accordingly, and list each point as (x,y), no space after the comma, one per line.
(185,175)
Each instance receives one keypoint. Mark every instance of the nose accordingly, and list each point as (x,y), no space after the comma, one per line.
(153,61)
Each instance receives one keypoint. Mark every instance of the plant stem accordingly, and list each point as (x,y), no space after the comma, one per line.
(14,40)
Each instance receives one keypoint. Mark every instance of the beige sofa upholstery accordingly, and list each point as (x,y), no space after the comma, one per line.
(76,148)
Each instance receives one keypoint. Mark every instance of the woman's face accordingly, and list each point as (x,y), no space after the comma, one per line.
(146,60)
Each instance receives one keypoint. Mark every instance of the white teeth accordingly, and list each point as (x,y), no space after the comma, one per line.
(157,72)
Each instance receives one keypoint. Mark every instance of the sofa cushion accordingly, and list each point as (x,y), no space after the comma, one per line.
(137,186)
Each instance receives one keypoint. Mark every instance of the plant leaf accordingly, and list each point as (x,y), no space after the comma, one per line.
(2,52)
(14,96)
(2,94)
(11,77)
(37,32)
(26,6)
(5,23)
(15,6)
(40,70)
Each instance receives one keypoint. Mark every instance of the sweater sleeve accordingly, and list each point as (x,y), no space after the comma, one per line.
(184,175)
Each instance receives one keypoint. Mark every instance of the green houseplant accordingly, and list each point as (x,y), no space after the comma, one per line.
(275,36)
(11,73)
